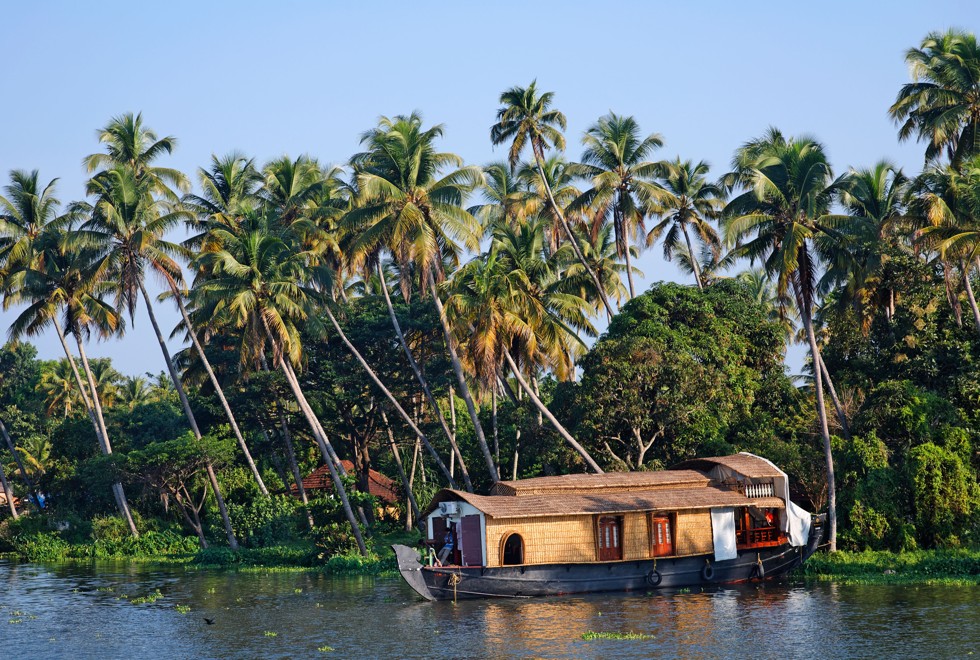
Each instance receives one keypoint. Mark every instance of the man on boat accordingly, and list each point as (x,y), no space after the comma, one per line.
(447,549)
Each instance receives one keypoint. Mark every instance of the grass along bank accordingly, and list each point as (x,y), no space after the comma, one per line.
(953,567)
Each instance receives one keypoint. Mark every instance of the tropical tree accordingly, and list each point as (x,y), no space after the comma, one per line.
(941,107)
(526,117)
(133,392)
(26,209)
(788,189)
(410,206)
(254,284)
(616,162)
(512,303)
(687,204)
(57,385)
(68,284)
(134,209)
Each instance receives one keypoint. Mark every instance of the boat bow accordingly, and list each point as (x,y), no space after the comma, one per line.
(411,569)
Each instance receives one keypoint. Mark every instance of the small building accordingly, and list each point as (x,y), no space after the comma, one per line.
(380,486)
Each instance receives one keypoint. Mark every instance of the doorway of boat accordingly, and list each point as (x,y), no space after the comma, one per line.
(610,530)
(513,550)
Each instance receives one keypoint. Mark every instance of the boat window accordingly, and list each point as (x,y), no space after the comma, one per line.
(513,550)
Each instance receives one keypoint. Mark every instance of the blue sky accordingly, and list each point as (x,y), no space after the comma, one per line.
(297,77)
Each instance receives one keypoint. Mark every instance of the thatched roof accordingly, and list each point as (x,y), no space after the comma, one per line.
(745,464)
(536,506)
(379,485)
(611,482)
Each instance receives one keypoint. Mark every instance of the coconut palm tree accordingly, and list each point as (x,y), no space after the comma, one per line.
(8,493)
(69,285)
(26,209)
(527,118)
(133,392)
(616,161)
(687,204)
(874,201)
(132,213)
(788,189)
(408,205)
(512,303)
(59,391)
(945,202)
(254,284)
(941,107)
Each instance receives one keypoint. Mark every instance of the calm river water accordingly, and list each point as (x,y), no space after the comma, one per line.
(88,611)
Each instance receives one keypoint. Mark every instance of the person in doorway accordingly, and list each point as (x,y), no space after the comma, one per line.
(447,549)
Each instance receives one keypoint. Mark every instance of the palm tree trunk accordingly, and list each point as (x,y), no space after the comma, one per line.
(212,478)
(96,405)
(694,259)
(7,493)
(543,409)
(314,424)
(822,416)
(323,440)
(969,294)
(414,514)
(844,427)
(422,380)
(391,397)
(100,434)
(20,464)
(620,228)
(221,395)
(539,160)
(464,389)
(496,430)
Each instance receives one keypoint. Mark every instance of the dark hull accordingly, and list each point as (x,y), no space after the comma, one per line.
(459,582)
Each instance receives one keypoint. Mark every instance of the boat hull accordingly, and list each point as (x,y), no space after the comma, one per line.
(465,582)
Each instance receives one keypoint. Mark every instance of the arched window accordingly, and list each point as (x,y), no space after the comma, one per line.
(513,550)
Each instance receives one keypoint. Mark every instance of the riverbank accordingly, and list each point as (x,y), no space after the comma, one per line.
(933,567)
(171,550)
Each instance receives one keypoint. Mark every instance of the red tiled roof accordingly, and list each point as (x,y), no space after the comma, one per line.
(379,485)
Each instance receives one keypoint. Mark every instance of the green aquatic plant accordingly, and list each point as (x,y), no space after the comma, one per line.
(591,635)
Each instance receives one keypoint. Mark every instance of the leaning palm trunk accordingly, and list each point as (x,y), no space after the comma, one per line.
(20,464)
(322,441)
(620,227)
(451,436)
(543,409)
(117,489)
(694,260)
(414,512)
(844,427)
(221,395)
(178,385)
(539,160)
(7,493)
(391,397)
(822,416)
(969,295)
(464,389)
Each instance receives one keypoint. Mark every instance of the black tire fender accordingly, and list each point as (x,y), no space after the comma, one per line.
(708,572)
(759,571)
(654,578)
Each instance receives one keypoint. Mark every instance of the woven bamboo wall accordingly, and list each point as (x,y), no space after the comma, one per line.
(636,536)
(546,539)
(693,533)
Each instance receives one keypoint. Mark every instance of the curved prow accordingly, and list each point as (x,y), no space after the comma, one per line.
(411,569)
(816,535)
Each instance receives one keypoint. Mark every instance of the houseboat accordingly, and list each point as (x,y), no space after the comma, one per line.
(706,521)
